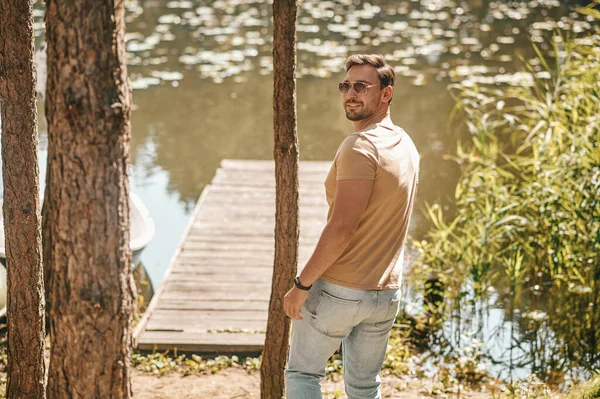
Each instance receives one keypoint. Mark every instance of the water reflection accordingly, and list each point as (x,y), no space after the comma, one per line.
(231,120)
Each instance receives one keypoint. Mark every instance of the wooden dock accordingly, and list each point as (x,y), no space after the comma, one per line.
(215,294)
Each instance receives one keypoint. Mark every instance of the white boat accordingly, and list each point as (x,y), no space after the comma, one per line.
(141,230)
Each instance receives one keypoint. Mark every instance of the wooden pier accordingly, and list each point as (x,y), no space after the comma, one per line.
(215,294)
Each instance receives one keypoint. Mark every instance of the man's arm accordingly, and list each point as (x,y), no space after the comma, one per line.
(351,199)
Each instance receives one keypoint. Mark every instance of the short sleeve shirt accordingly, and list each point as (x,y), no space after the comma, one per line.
(386,155)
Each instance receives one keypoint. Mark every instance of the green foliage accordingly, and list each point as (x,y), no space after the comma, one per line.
(162,363)
(530,387)
(397,361)
(399,354)
(587,390)
(334,395)
(527,220)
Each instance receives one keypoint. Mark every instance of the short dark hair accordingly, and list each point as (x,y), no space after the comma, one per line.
(387,76)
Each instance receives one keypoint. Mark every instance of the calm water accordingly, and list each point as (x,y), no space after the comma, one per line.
(201,71)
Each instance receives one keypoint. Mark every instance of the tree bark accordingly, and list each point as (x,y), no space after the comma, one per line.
(22,220)
(86,206)
(276,348)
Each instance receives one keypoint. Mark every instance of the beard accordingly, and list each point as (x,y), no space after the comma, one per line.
(358,115)
(355,116)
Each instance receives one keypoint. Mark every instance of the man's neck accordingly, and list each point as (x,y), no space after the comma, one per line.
(374,119)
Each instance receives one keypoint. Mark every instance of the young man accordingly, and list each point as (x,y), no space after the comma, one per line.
(349,290)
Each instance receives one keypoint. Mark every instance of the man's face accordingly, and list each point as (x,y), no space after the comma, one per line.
(359,107)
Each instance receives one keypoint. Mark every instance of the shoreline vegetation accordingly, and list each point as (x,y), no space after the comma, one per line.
(527,219)
(525,232)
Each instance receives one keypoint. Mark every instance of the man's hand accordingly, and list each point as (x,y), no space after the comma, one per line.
(293,301)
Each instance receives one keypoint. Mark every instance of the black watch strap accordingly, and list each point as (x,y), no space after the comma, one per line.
(300,286)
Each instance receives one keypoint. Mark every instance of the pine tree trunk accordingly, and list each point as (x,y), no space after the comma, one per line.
(87,208)
(22,220)
(276,349)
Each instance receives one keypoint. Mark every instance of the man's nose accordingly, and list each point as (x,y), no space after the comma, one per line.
(351,94)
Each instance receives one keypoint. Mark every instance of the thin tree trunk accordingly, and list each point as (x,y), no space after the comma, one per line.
(286,175)
(22,220)
(87,209)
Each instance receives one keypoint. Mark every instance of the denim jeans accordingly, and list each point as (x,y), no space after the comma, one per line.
(360,320)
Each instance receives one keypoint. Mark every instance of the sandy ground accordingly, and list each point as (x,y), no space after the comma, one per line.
(239,384)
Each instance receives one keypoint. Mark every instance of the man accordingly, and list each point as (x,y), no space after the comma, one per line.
(349,290)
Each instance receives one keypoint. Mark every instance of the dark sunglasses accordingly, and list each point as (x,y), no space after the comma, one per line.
(359,87)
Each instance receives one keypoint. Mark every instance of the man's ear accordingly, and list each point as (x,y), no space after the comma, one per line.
(388,93)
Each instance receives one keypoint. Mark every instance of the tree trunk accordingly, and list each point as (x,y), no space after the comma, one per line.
(276,349)
(91,289)
(22,220)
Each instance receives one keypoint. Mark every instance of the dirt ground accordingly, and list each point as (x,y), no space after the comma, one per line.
(239,384)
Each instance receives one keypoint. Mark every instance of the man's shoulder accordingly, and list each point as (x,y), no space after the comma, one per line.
(359,141)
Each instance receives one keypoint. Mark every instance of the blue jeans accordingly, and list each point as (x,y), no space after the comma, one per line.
(360,320)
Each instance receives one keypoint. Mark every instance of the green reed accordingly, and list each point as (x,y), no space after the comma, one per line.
(527,220)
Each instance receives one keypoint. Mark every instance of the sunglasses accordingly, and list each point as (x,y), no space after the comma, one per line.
(359,87)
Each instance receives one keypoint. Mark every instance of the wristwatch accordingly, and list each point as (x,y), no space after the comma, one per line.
(299,285)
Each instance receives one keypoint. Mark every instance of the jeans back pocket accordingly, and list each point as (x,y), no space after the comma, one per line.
(390,317)
(333,316)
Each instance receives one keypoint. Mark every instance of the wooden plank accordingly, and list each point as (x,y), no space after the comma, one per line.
(250,211)
(229,190)
(195,315)
(269,169)
(216,286)
(221,279)
(231,193)
(243,164)
(193,286)
(219,267)
(264,174)
(191,337)
(207,238)
(217,296)
(245,176)
(241,245)
(228,247)
(202,342)
(259,241)
(255,228)
(220,232)
(176,304)
(233,256)
(199,274)
(208,325)
(247,220)
(155,299)
(196,346)
(250,208)
(220,275)
(303,190)
(252,181)
(200,262)
(261,201)
(225,252)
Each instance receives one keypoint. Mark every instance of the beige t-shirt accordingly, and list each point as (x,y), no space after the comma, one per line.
(387,155)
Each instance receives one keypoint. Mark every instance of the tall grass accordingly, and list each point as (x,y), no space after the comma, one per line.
(588,390)
(526,231)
